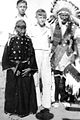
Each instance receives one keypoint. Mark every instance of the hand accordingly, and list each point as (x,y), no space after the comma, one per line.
(18,73)
(25,71)
(14,70)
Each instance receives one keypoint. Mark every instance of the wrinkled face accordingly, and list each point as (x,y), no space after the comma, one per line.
(21,30)
(41,20)
(64,17)
(21,8)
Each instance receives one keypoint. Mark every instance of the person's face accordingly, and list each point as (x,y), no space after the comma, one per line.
(41,20)
(21,30)
(64,18)
(21,8)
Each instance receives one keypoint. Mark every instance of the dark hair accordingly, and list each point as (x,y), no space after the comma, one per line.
(22,1)
(20,23)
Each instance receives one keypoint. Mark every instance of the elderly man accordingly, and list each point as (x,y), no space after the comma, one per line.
(63,43)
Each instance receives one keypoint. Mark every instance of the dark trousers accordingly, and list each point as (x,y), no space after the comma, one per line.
(59,86)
